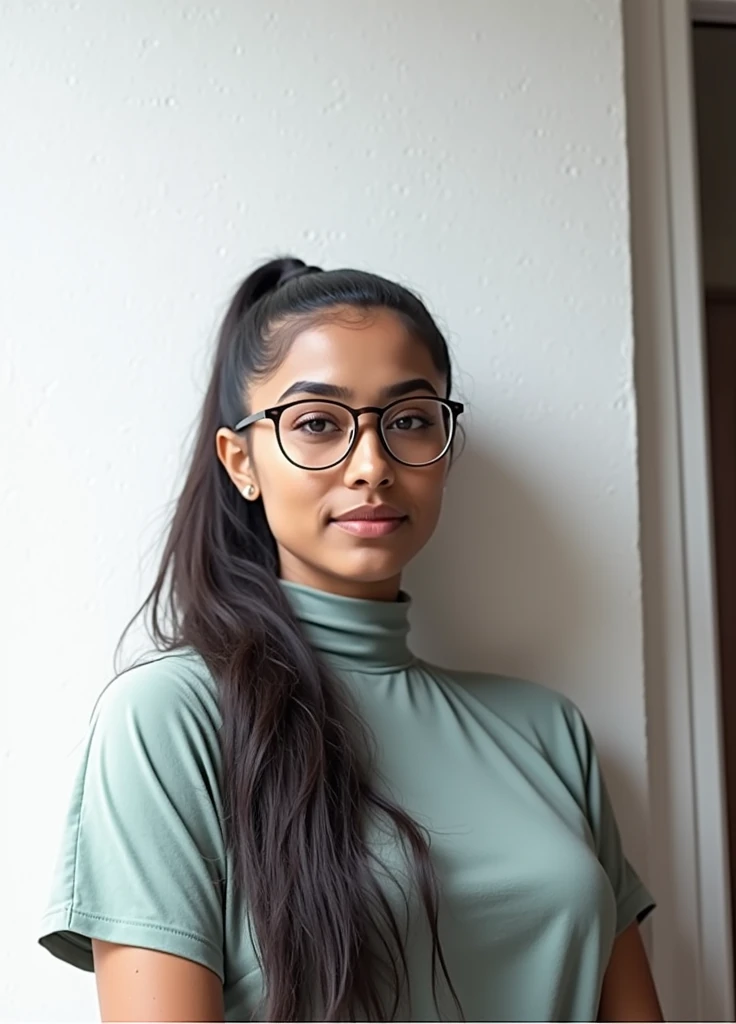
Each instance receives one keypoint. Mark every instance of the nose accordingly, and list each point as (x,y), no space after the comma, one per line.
(369,464)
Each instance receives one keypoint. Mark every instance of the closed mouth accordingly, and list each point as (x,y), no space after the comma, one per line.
(370,521)
(371,513)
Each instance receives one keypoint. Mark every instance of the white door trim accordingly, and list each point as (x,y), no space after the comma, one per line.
(688,868)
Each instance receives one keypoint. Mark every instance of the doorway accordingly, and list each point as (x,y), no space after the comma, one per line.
(689,862)
(714,70)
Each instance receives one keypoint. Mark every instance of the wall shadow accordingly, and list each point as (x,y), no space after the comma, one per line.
(505,587)
(503,576)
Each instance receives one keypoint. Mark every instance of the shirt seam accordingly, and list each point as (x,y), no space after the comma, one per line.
(71,911)
(78,836)
(635,901)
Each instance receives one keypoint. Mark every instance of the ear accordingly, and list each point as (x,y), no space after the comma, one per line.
(233,454)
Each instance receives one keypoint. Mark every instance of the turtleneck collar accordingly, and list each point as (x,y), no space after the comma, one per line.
(352,633)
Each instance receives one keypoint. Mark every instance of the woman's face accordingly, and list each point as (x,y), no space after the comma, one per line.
(364,355)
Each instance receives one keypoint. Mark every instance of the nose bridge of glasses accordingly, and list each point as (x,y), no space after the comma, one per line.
(370,430)
(373,409)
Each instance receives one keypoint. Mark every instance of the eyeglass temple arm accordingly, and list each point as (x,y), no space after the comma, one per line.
(253,418)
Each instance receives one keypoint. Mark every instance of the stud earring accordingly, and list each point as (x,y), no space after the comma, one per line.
(249,492)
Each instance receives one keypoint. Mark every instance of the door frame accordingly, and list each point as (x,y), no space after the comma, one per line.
(718,12)
(691,940)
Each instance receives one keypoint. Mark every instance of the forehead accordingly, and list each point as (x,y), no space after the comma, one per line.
(362,351)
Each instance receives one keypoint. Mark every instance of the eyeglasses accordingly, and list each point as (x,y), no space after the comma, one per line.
(319,434)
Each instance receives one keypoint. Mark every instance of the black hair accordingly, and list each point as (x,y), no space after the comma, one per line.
(297,780)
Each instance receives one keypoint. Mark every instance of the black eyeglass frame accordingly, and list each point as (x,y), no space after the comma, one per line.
(276,411)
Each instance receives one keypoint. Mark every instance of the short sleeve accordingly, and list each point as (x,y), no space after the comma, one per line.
(633,900)
(142,859)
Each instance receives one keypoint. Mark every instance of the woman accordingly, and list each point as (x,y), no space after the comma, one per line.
(287,816)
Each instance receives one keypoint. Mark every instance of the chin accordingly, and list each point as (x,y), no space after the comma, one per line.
(369,567)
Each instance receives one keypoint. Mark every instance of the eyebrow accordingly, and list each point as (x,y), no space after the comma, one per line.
(314,387)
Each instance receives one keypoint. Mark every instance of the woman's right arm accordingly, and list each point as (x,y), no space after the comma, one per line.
(135,984)
(141,884)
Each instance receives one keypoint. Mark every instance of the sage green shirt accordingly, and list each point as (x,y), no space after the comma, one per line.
(534,883)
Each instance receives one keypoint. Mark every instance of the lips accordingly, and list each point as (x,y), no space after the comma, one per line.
(370,513)
(371,520)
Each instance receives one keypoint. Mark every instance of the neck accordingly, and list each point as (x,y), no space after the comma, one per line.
(292,571)
(368,636)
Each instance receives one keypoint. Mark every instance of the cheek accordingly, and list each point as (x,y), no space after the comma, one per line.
(292,498)
(425,489)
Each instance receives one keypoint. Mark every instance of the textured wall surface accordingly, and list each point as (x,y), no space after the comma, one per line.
(150,152)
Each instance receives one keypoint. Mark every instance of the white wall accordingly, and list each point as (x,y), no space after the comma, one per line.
(152,153)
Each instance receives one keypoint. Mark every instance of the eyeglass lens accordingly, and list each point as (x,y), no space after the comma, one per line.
(316,435)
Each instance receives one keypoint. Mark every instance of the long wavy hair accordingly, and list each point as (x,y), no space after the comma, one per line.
(298,787)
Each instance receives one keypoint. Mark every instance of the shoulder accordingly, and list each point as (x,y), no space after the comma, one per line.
(517,697)
(167,694)
(549,720)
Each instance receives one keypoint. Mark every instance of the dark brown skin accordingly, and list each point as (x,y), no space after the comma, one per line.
(364,355)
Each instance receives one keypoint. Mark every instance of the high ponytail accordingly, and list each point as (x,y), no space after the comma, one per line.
(297,782)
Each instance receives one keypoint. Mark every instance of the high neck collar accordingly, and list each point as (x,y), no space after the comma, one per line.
(352,633)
